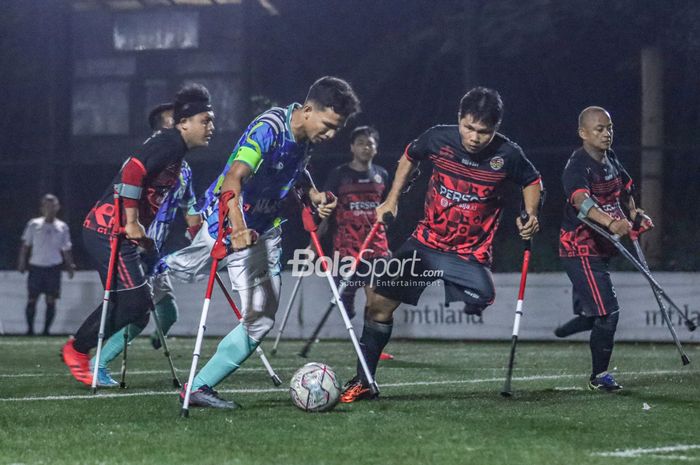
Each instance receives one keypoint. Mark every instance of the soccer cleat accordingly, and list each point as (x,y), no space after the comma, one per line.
(355,390)
(104,378)
(207,397)
(604,382)
(386,356)
(77,362)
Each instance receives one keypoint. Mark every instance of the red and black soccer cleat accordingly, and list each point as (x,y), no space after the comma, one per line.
(77,362)
(386,356)
(355,390)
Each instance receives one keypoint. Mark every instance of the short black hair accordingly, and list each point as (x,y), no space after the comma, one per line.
(154,116)
(484,104)
(335,93)
(189,94)
(367,131)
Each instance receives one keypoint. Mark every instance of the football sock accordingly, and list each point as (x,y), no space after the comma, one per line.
(30,312)
(602,342)
(375,336)
(115,344)
(50,315)
(576,325)
(230,354)
(166,311)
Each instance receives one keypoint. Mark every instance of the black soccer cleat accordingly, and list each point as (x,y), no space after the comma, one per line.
(355,390)
(604,382)
(207,397)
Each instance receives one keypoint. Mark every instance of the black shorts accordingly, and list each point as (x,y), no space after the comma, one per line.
(44,280)
(129,272)
(593,292)
(406,279)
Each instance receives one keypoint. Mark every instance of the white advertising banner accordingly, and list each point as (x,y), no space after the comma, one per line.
(547,304)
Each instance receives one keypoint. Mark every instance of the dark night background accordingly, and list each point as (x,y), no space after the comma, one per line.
(74,102)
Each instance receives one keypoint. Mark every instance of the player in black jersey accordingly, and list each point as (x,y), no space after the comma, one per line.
(594,182)
(142,183)
(360,186)
(471,161)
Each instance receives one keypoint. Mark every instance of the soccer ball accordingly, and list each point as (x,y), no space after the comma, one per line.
(315,388)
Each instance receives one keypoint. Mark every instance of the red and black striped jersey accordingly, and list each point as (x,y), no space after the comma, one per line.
(604,182)
(464,199)
(359,193)
(154,168)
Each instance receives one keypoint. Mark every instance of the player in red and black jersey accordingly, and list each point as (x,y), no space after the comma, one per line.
(471,163)
(360,187)
(142,183)
(594,183)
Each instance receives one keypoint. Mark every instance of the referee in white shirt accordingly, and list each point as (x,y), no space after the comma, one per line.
(46,246)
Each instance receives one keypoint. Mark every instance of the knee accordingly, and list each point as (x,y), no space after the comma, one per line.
(258,325)
(381,309)
(607,322)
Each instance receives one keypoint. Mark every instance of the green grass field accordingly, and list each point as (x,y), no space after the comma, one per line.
(439,405)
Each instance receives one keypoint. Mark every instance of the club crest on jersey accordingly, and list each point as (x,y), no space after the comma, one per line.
(496,163)
(377,178)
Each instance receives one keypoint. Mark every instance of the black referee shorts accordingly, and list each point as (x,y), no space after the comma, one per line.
(593,292)
(44,280)
(416,267)
(129,272)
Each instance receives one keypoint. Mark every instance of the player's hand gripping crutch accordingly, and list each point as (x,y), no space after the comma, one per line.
(655,286)
(506,391)
(287,311)
(388,218)
(114,250)
(311,226)
(258,350)
(218,252)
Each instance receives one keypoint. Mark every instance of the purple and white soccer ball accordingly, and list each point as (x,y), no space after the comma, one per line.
(315,388)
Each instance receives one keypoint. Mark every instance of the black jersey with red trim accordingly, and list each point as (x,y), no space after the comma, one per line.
(359,193)
(604,182)
(464,199)
(155,168)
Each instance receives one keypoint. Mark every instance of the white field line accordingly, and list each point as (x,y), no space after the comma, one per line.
(632,453)
(244,369)
(102,395)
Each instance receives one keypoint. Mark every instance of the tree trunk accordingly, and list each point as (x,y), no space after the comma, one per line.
(652,149)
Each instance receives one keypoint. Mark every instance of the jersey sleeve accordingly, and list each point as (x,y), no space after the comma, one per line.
(258,141)
(521,170)
(627,182)
(189,200)
(419,149)
(575,179)
(28,234)
(66,243)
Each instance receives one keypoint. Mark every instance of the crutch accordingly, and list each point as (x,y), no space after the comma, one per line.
(114,248)
(166,352)
(218,252)
(655,286)
(287,311)
(258,350)
(310,225)
(344,284)
(506,391)
(122,377)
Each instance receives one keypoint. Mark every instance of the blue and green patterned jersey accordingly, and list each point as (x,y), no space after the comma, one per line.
(181,195)
(277,161)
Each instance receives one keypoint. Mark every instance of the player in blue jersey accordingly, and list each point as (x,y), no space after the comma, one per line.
(266,163)
(180,197)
